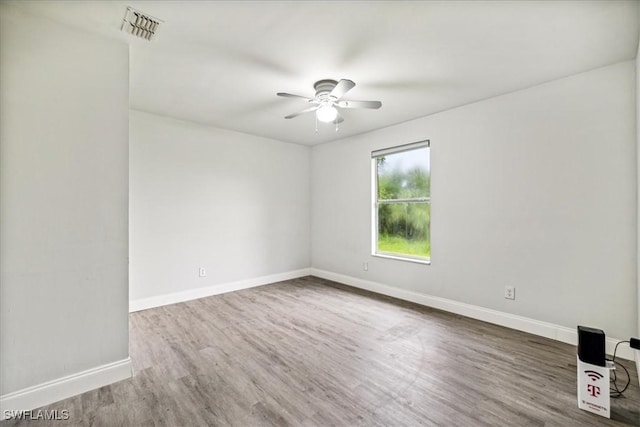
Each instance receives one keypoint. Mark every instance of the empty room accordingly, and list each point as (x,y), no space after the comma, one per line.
(319,213)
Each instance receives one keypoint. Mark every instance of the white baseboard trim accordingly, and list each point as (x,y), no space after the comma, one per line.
(53,391)
(520,323)
(191,294)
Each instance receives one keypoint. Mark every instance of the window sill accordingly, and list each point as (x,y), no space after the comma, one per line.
(402,258)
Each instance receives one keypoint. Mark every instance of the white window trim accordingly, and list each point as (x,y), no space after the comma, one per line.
(398,257)
(374,204)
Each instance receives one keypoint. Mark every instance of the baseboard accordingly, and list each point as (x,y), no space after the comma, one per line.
(191,294)
(53,391)
(520,323)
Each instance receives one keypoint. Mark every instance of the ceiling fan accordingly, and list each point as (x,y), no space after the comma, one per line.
(328,99)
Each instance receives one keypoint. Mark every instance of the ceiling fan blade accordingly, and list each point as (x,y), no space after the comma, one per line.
(359,104)
(341,88)
(308,110)
(290,95)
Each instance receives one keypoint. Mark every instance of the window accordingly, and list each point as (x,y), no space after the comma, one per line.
(402,202)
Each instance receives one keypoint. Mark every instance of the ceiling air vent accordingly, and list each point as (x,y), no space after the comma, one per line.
(140,24)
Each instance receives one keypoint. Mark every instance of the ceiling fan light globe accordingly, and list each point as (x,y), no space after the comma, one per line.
(326,113)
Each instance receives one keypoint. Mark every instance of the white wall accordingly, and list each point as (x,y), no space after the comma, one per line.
(535,189)
(233,203)
(638,195)
(63,206)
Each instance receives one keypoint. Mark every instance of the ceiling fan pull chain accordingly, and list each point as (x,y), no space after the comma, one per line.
(316,124)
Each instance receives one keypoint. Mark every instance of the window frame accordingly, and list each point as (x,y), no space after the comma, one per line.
(376,203)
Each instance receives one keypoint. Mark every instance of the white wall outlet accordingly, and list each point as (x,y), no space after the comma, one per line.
(202,272)
(510,292)
(365,266)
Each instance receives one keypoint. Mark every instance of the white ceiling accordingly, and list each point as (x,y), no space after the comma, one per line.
(221,62)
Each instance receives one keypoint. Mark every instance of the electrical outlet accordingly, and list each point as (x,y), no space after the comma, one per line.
(202,272)
(365,266)
(510,292)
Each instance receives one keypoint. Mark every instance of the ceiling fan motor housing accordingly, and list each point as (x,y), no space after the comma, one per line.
(324,87)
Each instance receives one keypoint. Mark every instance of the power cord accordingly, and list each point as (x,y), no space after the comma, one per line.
(615,391)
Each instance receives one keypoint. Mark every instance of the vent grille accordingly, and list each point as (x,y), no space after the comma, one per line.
(140,24)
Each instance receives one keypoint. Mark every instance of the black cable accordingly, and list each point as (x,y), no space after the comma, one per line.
(618,393)
(615,391)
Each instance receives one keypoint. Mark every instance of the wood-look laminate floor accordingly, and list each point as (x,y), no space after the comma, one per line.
(309,352)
